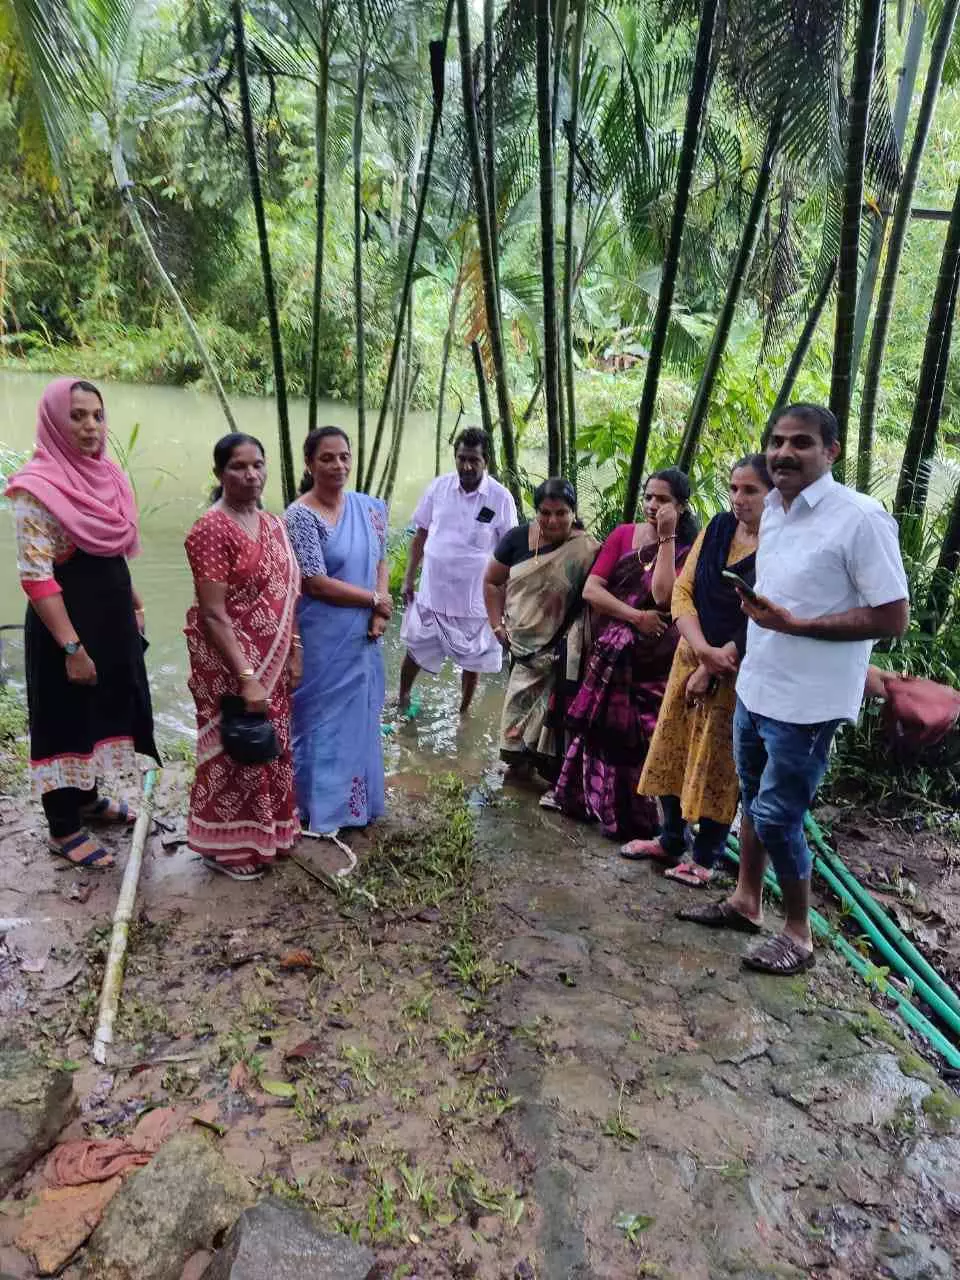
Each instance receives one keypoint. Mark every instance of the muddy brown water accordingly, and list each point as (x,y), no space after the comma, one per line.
(170,464)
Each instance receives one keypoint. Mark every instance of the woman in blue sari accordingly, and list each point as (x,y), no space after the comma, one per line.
(339,539)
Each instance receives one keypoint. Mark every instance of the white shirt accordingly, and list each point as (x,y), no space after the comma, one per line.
(834,550)
(459,542)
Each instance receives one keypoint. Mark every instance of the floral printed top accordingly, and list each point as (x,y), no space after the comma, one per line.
(42,543)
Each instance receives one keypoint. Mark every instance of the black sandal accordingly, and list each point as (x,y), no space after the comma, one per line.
(94,859)
(780,957)
(719,915)
(100,811)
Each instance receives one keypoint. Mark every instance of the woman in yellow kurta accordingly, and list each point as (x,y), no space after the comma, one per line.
(689,764)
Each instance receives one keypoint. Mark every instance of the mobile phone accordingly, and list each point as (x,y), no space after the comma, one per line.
(737,581)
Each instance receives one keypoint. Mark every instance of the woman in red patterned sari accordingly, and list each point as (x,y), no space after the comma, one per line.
(242,639)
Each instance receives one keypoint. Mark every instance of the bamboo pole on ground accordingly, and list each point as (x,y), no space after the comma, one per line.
(113,974)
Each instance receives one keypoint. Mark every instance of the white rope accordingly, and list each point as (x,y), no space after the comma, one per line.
(342,872)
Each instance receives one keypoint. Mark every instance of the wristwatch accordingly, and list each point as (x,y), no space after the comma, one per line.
(72,647)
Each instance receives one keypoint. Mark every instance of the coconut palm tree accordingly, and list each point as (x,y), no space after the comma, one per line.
(738,272)
(551,363)
(898,231)
(914,477)
(263,240)
(848,263)
(438,52)
(83,65)
(696,103)
(488,269)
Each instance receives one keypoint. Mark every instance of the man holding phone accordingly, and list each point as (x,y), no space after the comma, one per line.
(459,520)
(830,581)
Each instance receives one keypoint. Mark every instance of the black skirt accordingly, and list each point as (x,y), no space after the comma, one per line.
(73,725)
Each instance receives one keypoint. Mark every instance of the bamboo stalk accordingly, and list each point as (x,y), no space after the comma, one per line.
(113,974)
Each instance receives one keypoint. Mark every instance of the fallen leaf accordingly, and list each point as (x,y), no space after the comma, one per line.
(279,1088)
(306,1049)
(239,1077)
(297,959)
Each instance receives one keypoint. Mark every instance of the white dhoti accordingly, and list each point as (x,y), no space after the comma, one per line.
(432,637)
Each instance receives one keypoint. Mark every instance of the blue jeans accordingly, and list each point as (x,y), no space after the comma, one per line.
(780,767)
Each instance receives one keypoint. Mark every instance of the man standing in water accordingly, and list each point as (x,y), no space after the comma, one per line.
(830,582)
(460,519)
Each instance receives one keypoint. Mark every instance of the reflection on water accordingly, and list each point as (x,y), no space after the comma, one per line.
(170,464)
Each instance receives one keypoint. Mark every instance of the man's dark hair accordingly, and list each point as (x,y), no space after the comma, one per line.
(817,415)
(472,438)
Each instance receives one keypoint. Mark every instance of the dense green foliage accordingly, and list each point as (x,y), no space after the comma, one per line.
(146,92)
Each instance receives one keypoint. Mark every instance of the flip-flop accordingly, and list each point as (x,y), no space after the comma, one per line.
(719,915)
(549,801)
(780,957)
(95,859)
(648,854)
(690,873)
(100,811)
(233,873)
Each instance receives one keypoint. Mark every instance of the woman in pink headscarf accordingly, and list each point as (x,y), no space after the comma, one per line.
(87,689)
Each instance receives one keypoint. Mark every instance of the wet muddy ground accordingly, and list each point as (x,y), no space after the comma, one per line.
(496,1053)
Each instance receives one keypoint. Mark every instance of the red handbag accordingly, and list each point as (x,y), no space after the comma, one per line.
(919,713)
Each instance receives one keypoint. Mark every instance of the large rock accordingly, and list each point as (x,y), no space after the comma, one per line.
(179,1203)
(284,1242)
(36,1102)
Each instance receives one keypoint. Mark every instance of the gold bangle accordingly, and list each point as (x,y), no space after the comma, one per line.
(249,674)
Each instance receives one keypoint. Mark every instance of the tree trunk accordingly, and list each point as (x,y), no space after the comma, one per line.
(125,187)
(560,15)
(898,231)
(361,342)
(661,320)
(270,297)
(400,410)
(490,141)
(445,362)
(858,113)
(547,237)
(494,329)
(323,94)
(922,437)
(803,342)
(701,400)
(438,49)
(486,421)
(901,110)
(569,248)
(943,583)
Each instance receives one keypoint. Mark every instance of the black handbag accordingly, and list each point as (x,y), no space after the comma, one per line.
(248,737)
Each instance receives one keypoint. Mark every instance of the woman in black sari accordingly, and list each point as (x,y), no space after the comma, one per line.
(689,765)
(87,692)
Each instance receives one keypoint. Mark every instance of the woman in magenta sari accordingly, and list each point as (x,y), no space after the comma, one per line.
(613,716)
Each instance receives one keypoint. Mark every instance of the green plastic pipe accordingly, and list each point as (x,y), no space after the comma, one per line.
(889,951)
(866,900)
(908,1012)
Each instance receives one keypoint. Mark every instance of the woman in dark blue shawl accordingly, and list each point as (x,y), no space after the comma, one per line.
(689,764)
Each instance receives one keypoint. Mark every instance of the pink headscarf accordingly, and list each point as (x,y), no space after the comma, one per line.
(90,496)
